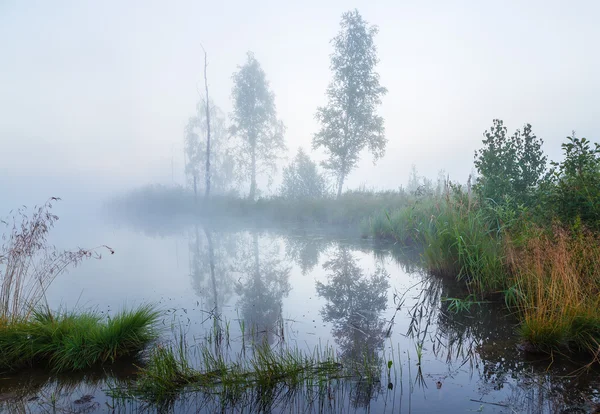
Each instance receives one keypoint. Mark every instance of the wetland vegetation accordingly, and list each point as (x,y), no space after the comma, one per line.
(226,294)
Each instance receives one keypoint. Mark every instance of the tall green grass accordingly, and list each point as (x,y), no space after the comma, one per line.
(75,341)
(457,238)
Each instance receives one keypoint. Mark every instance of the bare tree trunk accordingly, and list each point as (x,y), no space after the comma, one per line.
(253,178)
(207,189)
(340,184)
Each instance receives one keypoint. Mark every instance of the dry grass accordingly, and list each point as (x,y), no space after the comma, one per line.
(557,276)
(28,264)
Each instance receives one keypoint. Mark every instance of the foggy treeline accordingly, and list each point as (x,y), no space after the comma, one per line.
(224,152)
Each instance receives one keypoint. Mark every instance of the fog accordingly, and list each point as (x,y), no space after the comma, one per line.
(94,96)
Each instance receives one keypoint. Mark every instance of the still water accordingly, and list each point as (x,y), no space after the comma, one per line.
(306,289)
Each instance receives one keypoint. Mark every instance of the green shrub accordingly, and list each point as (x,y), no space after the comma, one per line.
(575,190)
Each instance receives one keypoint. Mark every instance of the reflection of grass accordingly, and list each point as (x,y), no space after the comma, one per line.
(37,390)
(74,341)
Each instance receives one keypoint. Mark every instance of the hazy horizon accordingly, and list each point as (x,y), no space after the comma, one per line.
(95,96)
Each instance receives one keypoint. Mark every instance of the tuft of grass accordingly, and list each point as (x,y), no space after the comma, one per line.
(71,342)
(557,276)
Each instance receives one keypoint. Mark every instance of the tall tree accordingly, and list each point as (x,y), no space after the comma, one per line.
(192,153)
(255,123)
(349,122)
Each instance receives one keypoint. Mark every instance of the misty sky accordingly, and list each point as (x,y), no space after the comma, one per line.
(100,91)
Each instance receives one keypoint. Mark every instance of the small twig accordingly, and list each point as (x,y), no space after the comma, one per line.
(490,403)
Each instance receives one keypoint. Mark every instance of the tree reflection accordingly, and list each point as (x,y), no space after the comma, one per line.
(211,261)
(305,251)
(262,287)
(354,304)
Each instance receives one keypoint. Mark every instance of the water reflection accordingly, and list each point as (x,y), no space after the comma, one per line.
(355,302)
(368,303)
(305,250)
(212,257)
(263,284)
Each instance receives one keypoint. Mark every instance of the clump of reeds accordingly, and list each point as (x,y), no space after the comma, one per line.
(75,341)
(169,373)
(557,277)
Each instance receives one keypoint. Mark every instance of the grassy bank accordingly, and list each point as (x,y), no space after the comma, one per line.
(349,210)
(549,275)
(456,238)
(30,333)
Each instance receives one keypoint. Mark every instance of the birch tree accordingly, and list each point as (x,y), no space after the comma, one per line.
(255,124)
(349,122)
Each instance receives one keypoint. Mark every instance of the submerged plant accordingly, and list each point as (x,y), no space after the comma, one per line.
(272,374)
(462,305)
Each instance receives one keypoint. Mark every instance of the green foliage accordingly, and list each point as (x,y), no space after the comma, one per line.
(575,194)
(254,122)
(70,342)
(301,179)
(509,167)
(349,122)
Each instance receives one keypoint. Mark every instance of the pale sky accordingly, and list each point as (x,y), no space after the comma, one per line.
(100,91)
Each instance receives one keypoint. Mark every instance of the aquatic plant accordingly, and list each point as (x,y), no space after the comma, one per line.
(171,371)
